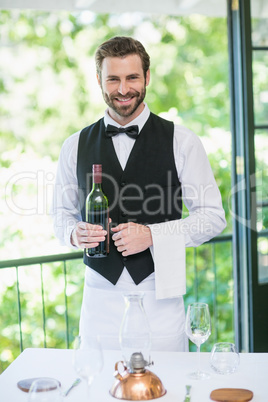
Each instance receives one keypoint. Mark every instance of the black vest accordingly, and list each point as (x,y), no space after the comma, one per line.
(147,191)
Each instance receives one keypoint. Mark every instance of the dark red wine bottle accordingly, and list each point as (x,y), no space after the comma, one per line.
(97,212)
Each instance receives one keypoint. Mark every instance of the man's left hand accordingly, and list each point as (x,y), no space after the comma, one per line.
(132,238)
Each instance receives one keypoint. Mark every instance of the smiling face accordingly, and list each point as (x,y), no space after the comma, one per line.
(123,86)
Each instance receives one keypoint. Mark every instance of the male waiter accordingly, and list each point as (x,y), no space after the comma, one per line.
(148,169)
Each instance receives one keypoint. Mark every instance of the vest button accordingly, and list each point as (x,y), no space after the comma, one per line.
(123,214)
(125,258)
(123,183)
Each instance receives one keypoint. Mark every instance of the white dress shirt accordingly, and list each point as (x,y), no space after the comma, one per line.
(200,194)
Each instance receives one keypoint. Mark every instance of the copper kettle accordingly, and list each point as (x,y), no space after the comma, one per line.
(136,383)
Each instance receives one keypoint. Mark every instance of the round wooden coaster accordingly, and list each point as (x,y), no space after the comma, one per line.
(25,385)
(231,395)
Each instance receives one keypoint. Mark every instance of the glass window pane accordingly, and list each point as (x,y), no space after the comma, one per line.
(263,259)
(260,31)
(261,154)
(260,86)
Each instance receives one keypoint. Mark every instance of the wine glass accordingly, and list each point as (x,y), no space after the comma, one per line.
(198,330)
(88,358)
(45,390)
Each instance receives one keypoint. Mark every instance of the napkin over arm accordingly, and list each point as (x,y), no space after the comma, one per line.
(168,252)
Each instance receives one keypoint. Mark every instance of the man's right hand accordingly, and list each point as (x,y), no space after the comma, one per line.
(86,235)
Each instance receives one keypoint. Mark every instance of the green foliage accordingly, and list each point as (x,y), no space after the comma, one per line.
(39,327)
(210,280)
(191,73)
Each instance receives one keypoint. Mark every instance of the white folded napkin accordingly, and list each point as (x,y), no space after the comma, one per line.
(168,252)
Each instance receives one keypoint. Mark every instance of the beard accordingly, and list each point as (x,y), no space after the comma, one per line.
(124,110)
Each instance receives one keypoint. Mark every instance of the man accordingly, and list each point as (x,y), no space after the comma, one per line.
(145,179)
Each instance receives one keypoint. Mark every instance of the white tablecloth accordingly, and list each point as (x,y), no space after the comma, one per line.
(172,368)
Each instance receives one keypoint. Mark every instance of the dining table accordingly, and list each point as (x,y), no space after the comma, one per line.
(173,369)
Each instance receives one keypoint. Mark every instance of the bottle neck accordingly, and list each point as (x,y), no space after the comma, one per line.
(97,179)
(96,186)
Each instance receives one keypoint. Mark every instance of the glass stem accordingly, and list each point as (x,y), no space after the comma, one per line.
(198,353)
(89,382)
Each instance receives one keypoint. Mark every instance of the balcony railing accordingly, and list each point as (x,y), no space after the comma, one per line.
(48,293)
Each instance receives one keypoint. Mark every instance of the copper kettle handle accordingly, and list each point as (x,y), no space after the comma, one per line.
(117,373)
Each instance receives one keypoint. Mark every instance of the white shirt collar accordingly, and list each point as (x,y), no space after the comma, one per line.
(139,120)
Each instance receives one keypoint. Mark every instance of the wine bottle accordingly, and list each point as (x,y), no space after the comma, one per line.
(97,212)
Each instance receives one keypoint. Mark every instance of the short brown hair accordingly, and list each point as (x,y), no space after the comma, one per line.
(121,46)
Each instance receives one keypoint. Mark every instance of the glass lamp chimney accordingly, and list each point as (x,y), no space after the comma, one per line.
(135,333)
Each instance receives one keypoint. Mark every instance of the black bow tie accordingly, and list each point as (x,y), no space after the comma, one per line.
(131,131)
